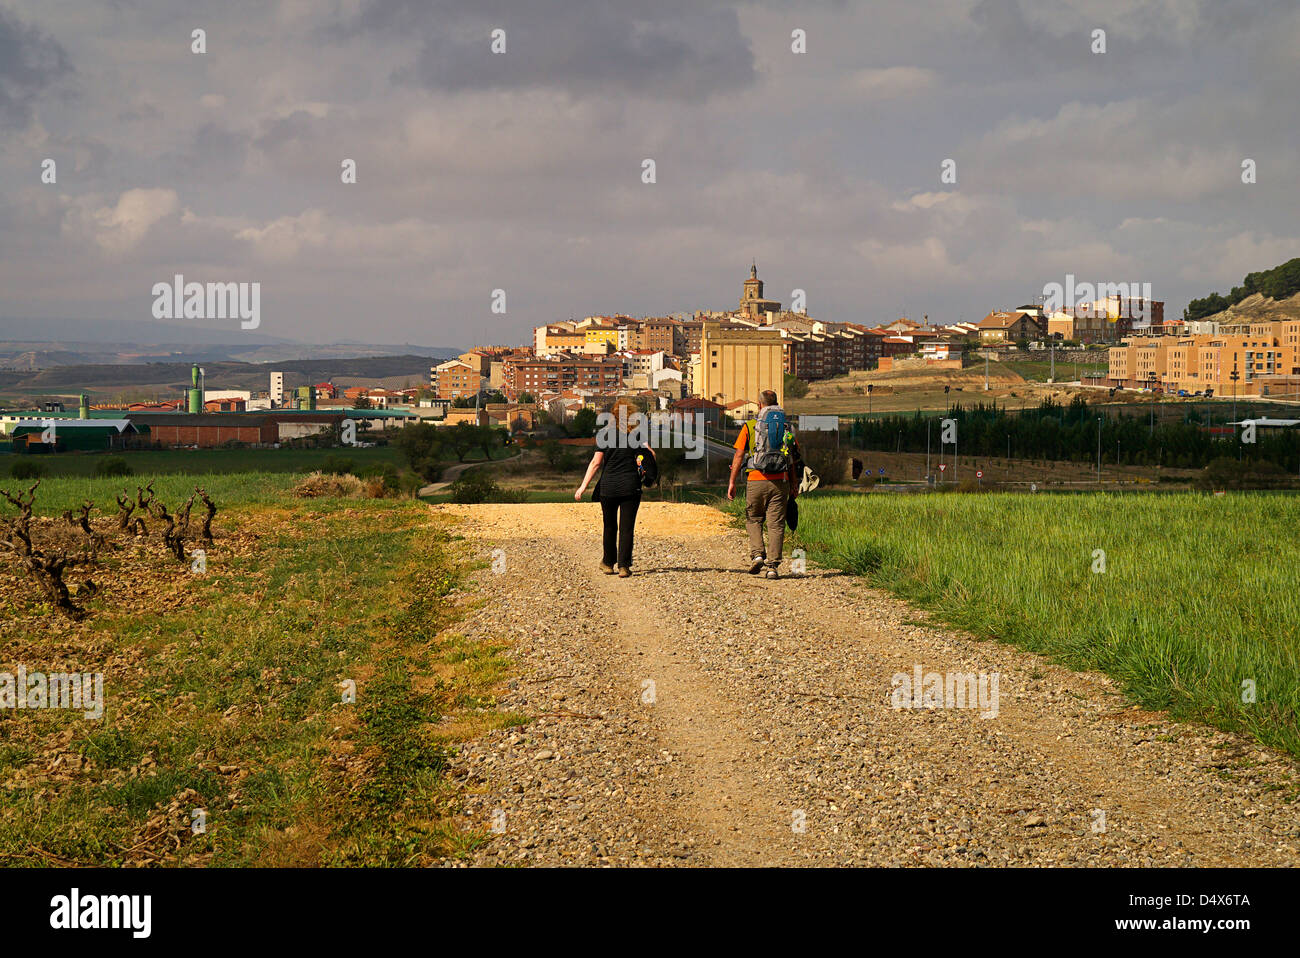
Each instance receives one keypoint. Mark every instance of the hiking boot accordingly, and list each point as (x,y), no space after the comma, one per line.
(756,566)
(772,574)
(607,569)
(624,572)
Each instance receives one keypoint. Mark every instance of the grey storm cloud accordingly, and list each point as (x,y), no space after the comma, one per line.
(523,171)
(673,48)
(30,62)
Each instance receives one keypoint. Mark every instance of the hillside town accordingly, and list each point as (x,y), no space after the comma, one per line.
(710,364)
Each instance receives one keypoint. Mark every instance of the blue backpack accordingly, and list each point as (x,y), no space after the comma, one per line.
(769,441)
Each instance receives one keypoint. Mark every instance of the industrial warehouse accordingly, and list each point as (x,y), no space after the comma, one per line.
(202,420)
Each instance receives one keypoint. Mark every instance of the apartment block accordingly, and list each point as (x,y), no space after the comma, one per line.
(828,350)
(1265,357)
(562,373)
(456,378)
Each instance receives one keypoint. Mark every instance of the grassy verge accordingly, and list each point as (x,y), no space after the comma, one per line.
(161,462)
(1197,598)
(225,693)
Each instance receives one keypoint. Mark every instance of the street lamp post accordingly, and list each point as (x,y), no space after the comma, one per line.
(1152,377)
(927,450)
(1099,449)
(1234,375)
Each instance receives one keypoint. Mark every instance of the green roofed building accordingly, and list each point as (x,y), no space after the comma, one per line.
(69,435)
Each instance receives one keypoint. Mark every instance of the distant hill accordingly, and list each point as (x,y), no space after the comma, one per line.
(28,344)
(1279,283)
(1258,308)
(124,331)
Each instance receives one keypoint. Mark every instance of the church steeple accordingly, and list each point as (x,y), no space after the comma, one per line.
(752,302)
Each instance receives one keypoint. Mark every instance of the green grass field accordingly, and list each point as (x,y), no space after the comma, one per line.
(161,462)
(57,493)
(1198,594)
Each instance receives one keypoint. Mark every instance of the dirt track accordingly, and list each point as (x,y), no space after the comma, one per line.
(768,736)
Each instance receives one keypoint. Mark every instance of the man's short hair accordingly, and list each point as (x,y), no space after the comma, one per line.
(768,396)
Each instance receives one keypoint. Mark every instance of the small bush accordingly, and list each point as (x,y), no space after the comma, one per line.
(113,466)
(25,469)
(429,469)
(472,487)
(320,485)
(410,483)
(338,466)
(386,473)
(477,486)
(1227,473)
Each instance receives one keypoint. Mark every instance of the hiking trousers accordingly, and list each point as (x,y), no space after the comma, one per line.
(620,520)
(765,502)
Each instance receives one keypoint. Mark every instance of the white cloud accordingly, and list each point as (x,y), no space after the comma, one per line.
(118,229)
(890,83)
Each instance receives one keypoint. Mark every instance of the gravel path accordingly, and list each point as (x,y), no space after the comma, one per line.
(694,715)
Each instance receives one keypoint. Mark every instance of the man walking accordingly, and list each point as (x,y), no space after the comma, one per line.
(769,445)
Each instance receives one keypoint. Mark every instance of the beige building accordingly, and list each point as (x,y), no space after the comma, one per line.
(1085,328)
(1264,355)
(739,364)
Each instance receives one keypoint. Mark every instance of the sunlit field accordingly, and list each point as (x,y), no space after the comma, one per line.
(1197,599)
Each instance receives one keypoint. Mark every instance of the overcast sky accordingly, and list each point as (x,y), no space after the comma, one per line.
(523,170)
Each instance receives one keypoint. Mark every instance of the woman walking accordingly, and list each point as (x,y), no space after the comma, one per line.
(627,466)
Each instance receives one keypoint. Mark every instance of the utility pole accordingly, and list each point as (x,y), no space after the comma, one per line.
(927,449)
(1053,352)
(986,372)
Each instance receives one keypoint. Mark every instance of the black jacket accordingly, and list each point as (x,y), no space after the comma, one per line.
(621,475)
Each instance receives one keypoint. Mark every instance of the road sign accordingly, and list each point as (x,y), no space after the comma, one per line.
(979,473)
(943,466)
(819,423)
(882,470)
